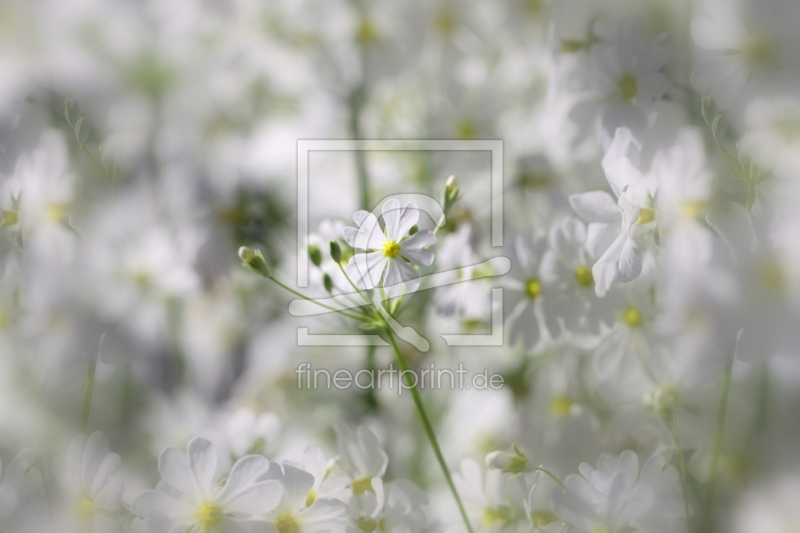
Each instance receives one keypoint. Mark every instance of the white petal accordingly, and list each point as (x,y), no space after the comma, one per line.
(595,206)
(399,220)
(203,463)
(244,474)
(174,469)
(368,235)
(400,276)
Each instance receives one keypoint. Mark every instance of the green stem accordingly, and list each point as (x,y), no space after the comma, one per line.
(763,397)
(723,405)
(426,423)
(356,103)
(304,297)
(87,394)
(673,429)
(551,475)
(751,197)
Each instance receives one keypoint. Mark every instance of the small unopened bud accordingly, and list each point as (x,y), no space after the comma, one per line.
(336,252)
(255,261)
(512,463)
(451,192)
(315,254)
(327,282)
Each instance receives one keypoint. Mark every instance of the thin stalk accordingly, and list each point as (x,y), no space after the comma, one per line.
(87,394)
(551,475)
(751,197)
(673,429)
(426,423)
(304,297)
(763,397)
(723,406)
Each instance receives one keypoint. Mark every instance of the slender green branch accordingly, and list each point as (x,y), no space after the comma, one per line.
(87,394)
(715,453)
(673,429)
(304,297)
(551,475)
(426,423)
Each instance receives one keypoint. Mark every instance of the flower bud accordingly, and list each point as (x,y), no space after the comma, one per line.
(255,261)
(315,254)
(336,252)
(451,191)
(328,283)
(512,463)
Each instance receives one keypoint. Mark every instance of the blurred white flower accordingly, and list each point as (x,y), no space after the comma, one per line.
(617,496)
(772,138)
(625,77)
(297,513)
(363,458)
(191,497)
(93,482)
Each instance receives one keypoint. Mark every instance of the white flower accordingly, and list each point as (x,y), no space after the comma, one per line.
(625,75)
(525,289)
(567,270)
(465,296)
(329,480)
(772,139)
(616,496)
(771,509)
(747,44)
(619,230)
(493,501)
(93,480)
(394,507)
(18,486)
(768,317)
(297,512)
(363,457)
(392,251)
(190,497)
(248,433)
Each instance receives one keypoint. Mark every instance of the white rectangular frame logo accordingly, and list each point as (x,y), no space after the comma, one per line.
(306,146)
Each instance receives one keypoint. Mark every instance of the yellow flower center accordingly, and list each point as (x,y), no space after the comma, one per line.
(57,212)
(391,249)
(366,33)
(208,515)
(646,215)
(788,129)
(360,486)
(311,497)
(533,289)
(757,51)
(773,275)
(584,277)
(560,406)
(627,87)
(495,515)
(467,129)
(446,21)
(632,317)
(85,508)
(542,518)
(694,210)
(287,522)
(9,218)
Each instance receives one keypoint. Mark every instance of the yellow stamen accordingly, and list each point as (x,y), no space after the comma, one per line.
(391,249)
(773,275)
(467,129)
(446,22)
(311,497)
(287,522)
(208,515)
(542,518)
(85,508)
(632,317)
(693,210)
(533,289)
(560,406)
(584,277)
(646,215)
(495,515)
(627,87)
(757,51)
(360,486)
(57,212)
(9,218)
(366,33)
